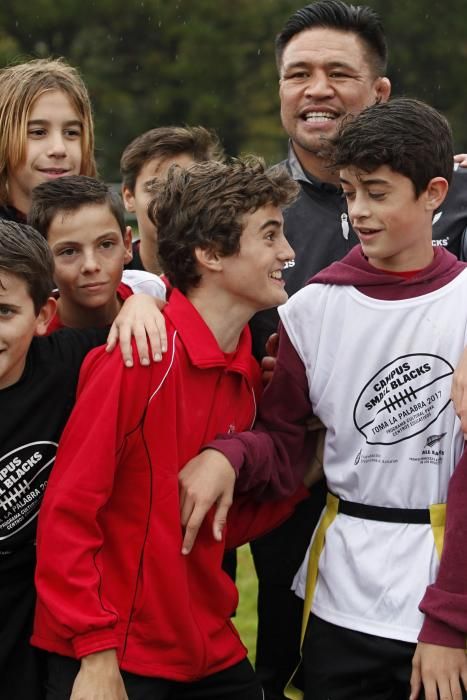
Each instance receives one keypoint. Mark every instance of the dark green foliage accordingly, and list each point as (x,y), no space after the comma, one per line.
(157,62)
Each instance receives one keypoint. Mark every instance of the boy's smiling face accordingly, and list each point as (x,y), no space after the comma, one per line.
(392,224)
(53,147)
(253,276)
(18,325)
(89,254)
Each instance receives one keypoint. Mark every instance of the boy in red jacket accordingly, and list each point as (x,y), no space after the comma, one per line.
(123,611)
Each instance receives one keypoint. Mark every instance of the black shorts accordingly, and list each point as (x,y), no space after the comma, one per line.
(22,668)
(342,664)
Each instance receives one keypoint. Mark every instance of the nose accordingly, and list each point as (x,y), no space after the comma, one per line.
(56,146)
(358,208)
(318,85)
(286,252)
(89,262)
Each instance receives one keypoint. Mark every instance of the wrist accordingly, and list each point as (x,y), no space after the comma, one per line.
(106,658)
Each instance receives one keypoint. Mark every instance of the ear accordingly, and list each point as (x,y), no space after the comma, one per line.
(435,192)
(127,240)
(45,315)
(128,198)
(382,89)
(209,259)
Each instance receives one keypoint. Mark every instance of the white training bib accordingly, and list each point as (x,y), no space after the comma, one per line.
(380,375)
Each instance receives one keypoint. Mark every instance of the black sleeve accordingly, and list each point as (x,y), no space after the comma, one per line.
(73,344)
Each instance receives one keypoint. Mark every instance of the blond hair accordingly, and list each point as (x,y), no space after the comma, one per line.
(20,86)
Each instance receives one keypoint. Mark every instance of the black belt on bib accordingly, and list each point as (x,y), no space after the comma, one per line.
(415,516)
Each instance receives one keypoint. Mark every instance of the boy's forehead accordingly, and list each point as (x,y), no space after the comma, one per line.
(267,214)
(11,285)
(383,174)
(158,167)
(85,222)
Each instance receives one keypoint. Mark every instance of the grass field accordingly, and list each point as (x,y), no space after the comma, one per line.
(245,620)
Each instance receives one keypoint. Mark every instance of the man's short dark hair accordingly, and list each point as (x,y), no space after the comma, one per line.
(203,207)
(167,142)
(25,254)
(335,14)
(68,194)
(409,136)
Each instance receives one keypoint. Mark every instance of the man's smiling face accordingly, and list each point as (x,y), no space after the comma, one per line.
(325,75)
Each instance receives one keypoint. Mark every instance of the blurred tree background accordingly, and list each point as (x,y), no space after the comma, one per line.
(149,63)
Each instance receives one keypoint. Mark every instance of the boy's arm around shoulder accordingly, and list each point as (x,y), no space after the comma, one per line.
(271,459)
(111,401)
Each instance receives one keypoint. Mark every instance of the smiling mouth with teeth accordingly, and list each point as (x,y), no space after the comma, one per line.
(318,116)
(276,275)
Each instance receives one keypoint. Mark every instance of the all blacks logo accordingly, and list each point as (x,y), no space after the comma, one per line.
(23,478)
(403,398)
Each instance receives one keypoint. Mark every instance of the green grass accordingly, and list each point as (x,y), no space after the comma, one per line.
(246,618)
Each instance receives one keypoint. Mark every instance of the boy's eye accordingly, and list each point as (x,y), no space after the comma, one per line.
(66,252)
(74,133)
(107,244)
(377,195)
(37,132)
(348,194)
(6,312)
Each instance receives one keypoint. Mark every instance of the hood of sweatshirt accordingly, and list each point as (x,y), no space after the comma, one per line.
(355,270)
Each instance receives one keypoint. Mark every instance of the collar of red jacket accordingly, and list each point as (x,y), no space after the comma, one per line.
(200,342)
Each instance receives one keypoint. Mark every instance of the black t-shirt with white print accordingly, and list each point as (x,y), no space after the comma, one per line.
(33,413)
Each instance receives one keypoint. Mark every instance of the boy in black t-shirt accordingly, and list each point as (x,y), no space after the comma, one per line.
(38,377)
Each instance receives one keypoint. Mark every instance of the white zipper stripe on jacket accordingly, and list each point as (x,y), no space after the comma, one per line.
(168,369)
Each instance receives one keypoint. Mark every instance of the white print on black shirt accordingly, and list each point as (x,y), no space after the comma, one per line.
(403,398)
(23,478)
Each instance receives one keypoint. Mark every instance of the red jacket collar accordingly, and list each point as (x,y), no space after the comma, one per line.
(199,341)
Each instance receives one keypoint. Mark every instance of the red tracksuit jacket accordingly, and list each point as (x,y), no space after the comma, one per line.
(110,573)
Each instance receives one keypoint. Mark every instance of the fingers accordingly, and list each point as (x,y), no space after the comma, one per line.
(267,369)
(461,158)
(272,344)
(220,517)
(192,527)
(157,338)
(112,338)
(416,677)
(141,340)
(122,335)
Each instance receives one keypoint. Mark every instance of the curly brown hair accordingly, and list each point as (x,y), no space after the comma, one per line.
(203,207)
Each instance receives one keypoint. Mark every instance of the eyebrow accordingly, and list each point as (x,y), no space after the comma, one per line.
(39,122)
(271,222)
(102,237)
(329,64)
(367,181)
